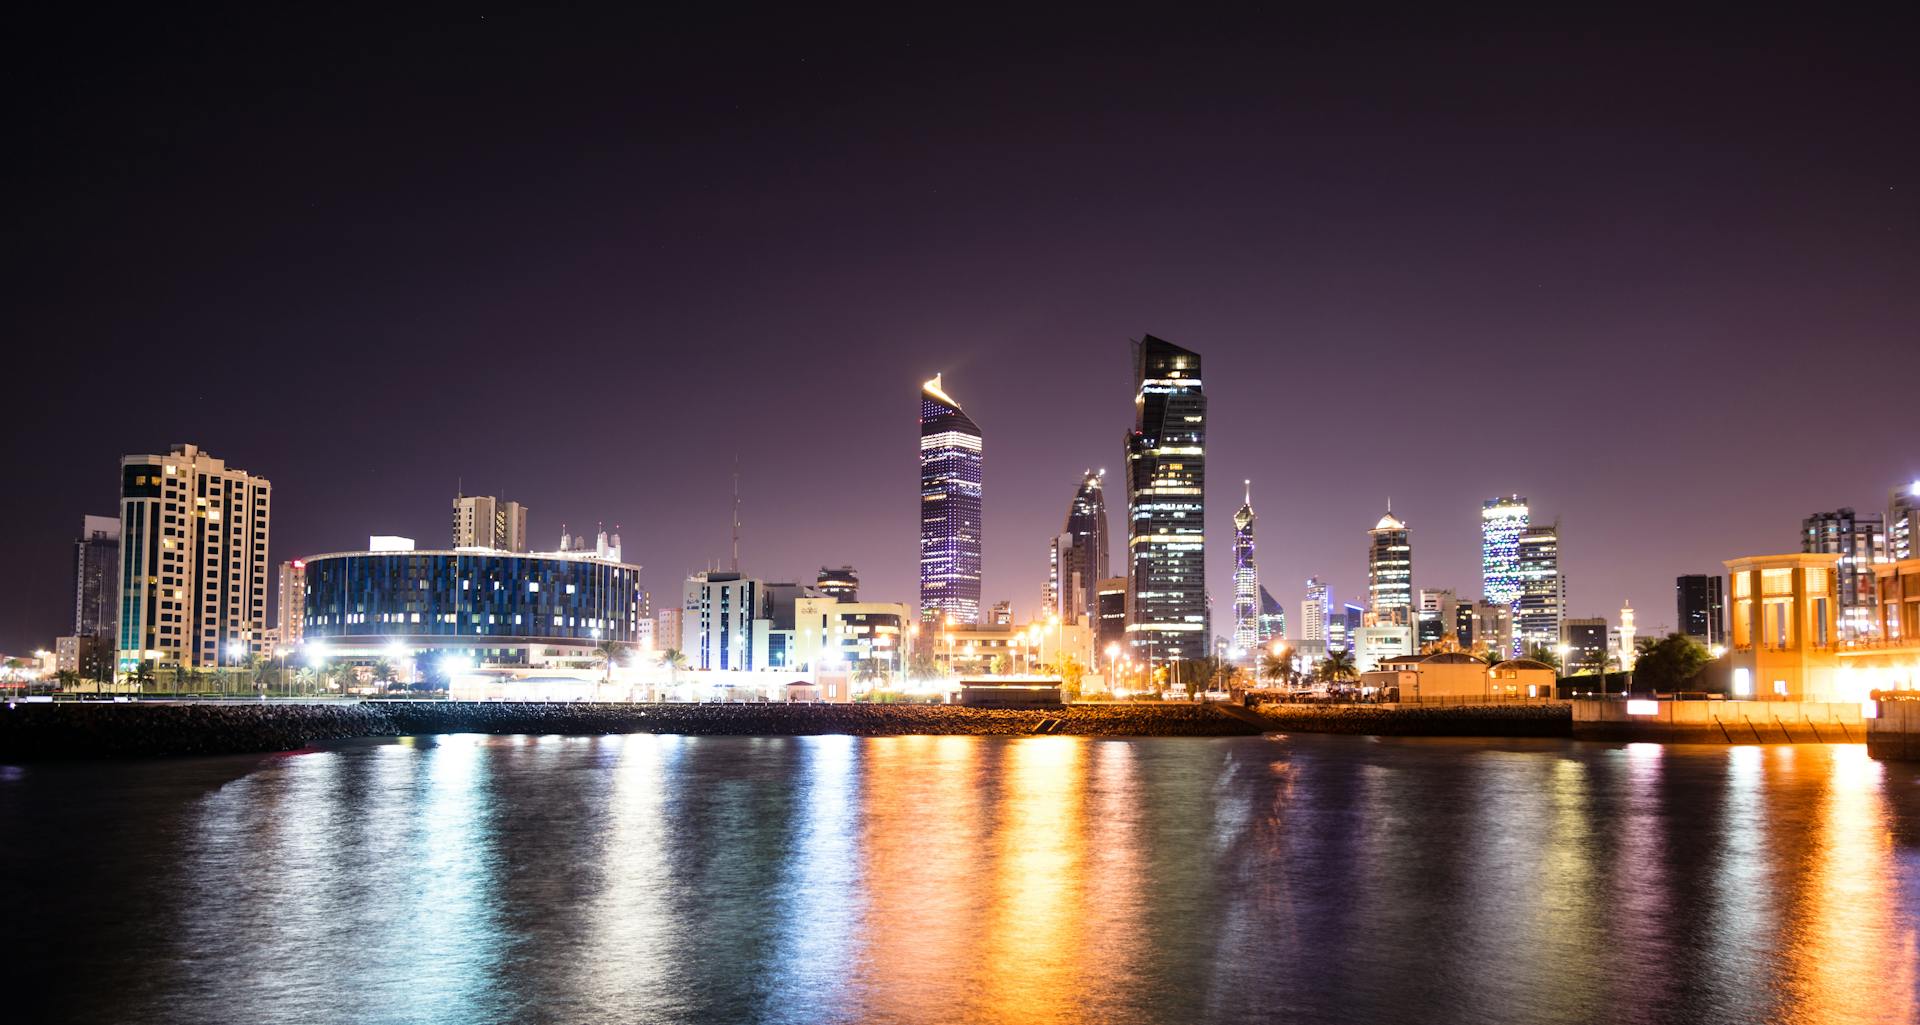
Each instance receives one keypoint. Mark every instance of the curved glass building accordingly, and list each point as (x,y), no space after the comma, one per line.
(498,607)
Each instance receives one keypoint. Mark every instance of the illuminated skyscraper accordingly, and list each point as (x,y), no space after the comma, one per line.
(1273,617)
(1166,523)
(1502,521)
(1860,542)
(949,509)
(1079,559)
(1390,571)
(1540,612)
(1246,579)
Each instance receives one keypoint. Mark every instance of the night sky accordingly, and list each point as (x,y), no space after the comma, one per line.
(1663,277)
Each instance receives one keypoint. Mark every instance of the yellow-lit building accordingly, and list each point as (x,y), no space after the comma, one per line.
(1785,637)
(1889,658)
(1454,677)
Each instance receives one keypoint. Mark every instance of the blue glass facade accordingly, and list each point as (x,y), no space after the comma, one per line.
(480,599)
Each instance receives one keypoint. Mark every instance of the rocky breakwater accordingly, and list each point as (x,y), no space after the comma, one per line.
(1531,720)
(146,729)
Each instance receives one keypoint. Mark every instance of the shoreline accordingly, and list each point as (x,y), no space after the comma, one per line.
(93,730)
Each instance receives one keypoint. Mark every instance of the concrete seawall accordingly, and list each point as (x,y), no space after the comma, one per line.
(1895,733)
(1718,722)
(1545,719)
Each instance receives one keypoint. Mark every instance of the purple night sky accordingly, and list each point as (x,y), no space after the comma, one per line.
(1661,278)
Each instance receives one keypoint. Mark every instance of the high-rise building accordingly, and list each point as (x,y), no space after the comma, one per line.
(1585,639)
(1492,629)
(1390,571)
(950,528)
(668,629)
(96,578)
(193,552)
(482,521)
(1316,610)
(1701,603)
(1502,521)
(1273,617)
(725,622)
(290,610)
(840,584)
(1903,522)
(1861,543)
(1002,614)
(1246,578)
(1166,491)
(1077,558)
(1538,615)
(1112,621)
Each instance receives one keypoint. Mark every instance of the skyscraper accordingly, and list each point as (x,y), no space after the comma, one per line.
(289,622)
(1701,604)
(1246,578)
(482,521)
(1903,522)
(1390,571)
(950,477)
(1860,542)
(1539,613)
(96,578)
(1273,617)
(1166,489)
(1316,610)
(193,558)
(1502,521)
(1081,560)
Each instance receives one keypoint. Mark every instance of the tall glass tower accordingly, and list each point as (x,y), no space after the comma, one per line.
(1390,571)
(1502,521)
(1246,579)
(1166,498)
(1080,560)
(949,508)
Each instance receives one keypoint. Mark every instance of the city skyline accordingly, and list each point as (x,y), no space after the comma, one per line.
(1526,231)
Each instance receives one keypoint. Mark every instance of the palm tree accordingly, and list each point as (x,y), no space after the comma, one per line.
(1337,667)
(1273,667)
(607,654)
(305,677)
(1545,655)
(143,675)
(675,660)
(384,674)
(68,679)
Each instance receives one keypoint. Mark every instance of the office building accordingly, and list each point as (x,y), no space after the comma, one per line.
(839,583)
(1538,613)
(726,622)
(1078,559)
(1316,610)
(950,531)
(1002,614)
(1861,543)
(1502,521)
(1111,625)
(1390,571)
(1166,489)
(1438,616)
(668,632)
(193,552)
(1700,603)
(482,521)
(1246,578)
(1903,522)
(1492,629)
(289,622)
(96,579)
(1273,618)
(1584,640)
(830,634)
(479,606)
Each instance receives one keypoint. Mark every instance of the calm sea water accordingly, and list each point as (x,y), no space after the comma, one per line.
(948,879)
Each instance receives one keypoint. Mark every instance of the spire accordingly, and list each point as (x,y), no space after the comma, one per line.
(1249,483)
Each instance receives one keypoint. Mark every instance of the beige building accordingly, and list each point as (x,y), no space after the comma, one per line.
(1785,635)
(482,521)
(194,561)
(1889,657)
(292,605)
(971,650)
(1456,677)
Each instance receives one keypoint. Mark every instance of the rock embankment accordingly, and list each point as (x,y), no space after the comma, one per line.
(1553,719)
(122,730)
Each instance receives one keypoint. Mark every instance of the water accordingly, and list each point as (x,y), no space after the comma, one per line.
(947,879)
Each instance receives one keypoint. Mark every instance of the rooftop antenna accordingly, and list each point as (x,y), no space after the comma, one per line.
(736,512)
(1249,483)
